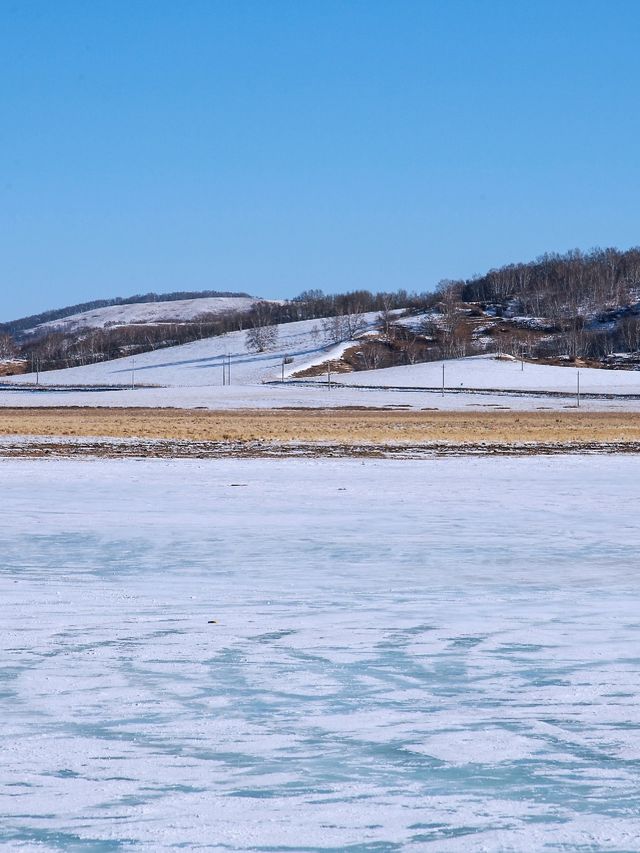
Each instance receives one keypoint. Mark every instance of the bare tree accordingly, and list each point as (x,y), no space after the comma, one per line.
(343,327)
(414,351)
(262,332)
(315,333)
(374,355)
(630,333)
(8,348)
(261,338)
(386,323)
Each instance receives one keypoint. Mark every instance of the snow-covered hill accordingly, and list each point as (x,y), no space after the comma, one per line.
(200,362)
(181,310)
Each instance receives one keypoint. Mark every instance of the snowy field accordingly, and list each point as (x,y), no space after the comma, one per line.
(506,374)
(234,397)
(434,656)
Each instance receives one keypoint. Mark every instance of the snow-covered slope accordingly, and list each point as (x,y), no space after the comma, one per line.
(200,362)
(148,312)
(505,374)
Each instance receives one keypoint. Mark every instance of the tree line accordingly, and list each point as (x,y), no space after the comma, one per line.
(560,286)
(584,304)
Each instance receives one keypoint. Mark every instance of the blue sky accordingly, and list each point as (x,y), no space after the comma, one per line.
(275,146)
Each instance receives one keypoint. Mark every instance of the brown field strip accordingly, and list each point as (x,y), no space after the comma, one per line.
(352,426)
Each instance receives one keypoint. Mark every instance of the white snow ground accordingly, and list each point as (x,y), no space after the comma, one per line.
(148,312)
(487,372)
(314,396)
(191,375)
(436,656)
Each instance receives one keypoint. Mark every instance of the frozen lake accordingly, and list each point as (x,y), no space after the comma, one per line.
(407,655)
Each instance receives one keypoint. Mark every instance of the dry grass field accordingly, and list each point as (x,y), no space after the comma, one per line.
(342,426)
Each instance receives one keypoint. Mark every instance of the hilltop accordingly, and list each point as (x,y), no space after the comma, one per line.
(145,313)
(48,318)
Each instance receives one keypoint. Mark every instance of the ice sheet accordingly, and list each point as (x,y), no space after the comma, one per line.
(406,656)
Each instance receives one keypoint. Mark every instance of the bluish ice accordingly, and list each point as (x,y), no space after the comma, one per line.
(320,655)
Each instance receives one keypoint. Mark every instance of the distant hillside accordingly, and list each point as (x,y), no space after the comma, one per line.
(16,327)
(126,327)
(556,309)
(145,313)
(577,305)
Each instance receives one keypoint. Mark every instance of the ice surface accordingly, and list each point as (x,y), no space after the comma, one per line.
(430,655)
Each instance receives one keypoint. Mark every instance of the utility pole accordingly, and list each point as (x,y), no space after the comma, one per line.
(224,372)
(228,368)
(282,380)
(578,389)
(329,375)
(443,380)
(133,373)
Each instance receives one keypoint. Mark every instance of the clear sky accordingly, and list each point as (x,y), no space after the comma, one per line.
(274,146)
